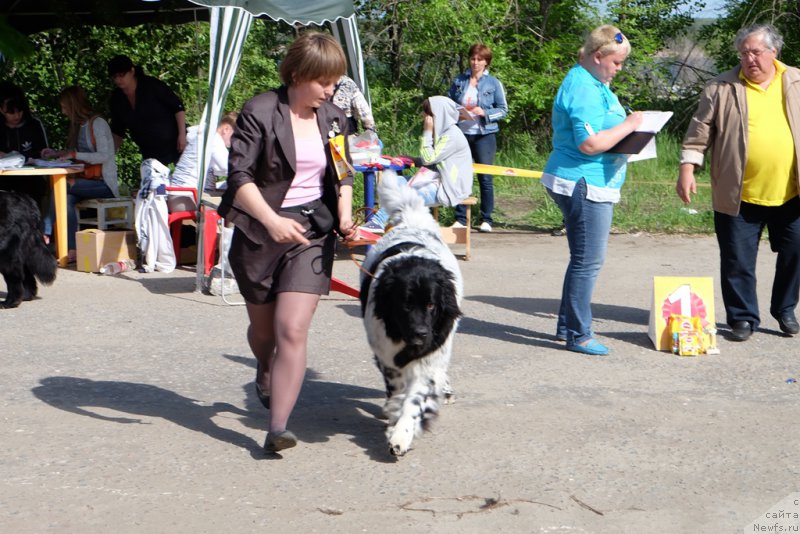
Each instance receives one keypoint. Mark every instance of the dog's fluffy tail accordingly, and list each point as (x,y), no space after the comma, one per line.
(41,263)
(404,205)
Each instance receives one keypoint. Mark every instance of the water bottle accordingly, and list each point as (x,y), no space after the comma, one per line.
(118,267)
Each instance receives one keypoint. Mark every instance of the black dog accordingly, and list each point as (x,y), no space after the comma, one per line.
(411,305)
(23,255)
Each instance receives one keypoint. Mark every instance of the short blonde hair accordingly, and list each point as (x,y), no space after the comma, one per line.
(606,39)
(313,56)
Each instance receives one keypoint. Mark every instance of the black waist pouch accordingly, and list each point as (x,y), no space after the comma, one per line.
(318,215)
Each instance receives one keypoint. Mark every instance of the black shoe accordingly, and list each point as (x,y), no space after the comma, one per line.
(262,397)
(788,324)
(277,441)
(741,331)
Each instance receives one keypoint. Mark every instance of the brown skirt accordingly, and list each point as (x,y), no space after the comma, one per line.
(263,271)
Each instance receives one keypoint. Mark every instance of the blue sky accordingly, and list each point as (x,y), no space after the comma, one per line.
(713,8)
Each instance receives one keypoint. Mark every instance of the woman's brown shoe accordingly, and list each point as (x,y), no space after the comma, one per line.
(277,441)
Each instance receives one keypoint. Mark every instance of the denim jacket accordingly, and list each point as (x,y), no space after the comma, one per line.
(491,98)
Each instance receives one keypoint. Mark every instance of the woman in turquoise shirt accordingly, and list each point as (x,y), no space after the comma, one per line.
(583,178)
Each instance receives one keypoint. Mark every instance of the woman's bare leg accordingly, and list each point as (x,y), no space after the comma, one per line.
(292,318)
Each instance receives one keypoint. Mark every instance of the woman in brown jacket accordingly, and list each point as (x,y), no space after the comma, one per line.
(286,196)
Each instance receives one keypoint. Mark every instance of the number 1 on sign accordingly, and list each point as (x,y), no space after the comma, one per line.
(683,295)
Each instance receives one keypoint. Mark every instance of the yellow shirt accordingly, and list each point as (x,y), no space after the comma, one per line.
(769,172)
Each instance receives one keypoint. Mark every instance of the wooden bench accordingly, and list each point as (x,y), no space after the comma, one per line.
(458,236)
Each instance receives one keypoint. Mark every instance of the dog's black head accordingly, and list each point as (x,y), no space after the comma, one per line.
(416,299)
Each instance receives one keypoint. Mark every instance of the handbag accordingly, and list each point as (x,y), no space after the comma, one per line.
(320,217)
(91,171)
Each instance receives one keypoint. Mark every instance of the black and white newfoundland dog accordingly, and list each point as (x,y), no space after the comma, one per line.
(410,301)
(23,255)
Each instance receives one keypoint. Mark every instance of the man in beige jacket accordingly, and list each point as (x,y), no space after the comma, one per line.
(749,117)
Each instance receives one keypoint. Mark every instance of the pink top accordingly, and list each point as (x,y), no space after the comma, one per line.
(307,183)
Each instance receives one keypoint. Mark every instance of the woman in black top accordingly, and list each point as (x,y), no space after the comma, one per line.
(21,132)
(149,109)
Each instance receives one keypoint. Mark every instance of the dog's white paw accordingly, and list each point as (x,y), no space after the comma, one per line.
(400,440)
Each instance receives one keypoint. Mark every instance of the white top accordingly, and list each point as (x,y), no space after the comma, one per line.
(187,169)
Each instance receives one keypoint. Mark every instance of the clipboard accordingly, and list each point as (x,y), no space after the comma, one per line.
(634,142)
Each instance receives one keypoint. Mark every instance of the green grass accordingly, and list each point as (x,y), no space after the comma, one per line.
(648,204)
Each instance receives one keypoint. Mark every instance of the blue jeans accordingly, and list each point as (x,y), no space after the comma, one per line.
(483,148)
(427,192)
(588,224)
(738,238)
(80,190)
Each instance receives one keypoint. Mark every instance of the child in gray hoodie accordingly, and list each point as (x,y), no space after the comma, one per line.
(446,175)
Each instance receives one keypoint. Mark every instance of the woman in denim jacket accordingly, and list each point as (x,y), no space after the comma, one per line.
(483,102)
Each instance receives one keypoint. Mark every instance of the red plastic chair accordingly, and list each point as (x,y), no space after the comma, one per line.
(210,219)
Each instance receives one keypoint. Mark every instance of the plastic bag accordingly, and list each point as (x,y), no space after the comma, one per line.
(365,147)
(12,160)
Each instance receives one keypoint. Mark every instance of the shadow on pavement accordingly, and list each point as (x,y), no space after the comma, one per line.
(549,308)
(326,409)
(164,284)
(80,395)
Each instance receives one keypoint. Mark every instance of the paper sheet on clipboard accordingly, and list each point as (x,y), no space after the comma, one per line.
(652,123)
(648,152)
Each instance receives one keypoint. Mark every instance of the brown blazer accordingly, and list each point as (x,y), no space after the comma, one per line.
(263,152)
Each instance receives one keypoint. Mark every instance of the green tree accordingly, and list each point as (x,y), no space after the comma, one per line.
(414,49)
(783,14)
(648,78)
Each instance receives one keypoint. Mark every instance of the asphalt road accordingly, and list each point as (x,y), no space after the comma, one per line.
(127,404)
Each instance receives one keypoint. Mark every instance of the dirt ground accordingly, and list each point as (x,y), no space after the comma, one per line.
(128,404)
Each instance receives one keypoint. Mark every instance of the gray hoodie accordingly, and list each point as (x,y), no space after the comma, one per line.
(447,149)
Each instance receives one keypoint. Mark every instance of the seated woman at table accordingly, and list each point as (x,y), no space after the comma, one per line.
(446,175)
(89,141)
(21,132)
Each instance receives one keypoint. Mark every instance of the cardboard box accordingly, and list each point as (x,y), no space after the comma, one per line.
(96,248)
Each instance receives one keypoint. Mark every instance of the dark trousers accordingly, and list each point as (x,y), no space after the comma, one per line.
(738,239)
(483,148)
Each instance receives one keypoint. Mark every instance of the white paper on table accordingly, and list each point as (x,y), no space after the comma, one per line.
(55,164)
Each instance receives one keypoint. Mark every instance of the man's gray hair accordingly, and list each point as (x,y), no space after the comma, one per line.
(772,37)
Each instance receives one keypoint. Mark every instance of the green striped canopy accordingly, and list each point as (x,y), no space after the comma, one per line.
(230,22)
